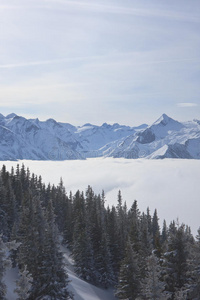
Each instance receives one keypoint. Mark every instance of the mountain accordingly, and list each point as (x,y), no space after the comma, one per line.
(22,138)
(165,138)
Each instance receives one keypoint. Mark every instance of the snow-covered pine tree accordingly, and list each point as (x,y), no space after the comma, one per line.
(194,269)
(175,260)
(82,248)
(55,278)
(122,225)
(153,288)
(68,220)
(164,233)
(113,236)
(39,251)
(145,237)
(3,266)
(24,284)
(134,226)
(129,281)
(102,255)
(156,234)
(181,295)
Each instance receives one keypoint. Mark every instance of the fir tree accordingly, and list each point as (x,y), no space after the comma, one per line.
(176,261)
(156,233)
(82,248)
(128,286)
(24,284)
(153,287)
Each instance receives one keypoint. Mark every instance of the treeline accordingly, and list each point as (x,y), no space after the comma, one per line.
(111,246)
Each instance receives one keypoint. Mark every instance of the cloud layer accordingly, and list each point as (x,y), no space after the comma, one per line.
(171,186)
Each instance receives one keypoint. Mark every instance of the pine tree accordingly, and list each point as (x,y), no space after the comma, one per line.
(129,280)
(122,227)
(176,261)
(3,262)
(82,248)
(156,233)
(55,279)
(153,287)
(115,253)
(39,251)
(164,232)
(194,269)
(145,237)
(181,295)
(24,284)
(134,226)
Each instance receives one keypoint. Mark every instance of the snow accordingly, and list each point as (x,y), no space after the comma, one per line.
(160,152)
(85,291)
(82,290)
(51,140)
(170,185)
(10,280)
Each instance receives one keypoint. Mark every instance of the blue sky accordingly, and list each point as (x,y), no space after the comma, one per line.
(99,61)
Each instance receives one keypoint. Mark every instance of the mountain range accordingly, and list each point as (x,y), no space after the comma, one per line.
(22,138)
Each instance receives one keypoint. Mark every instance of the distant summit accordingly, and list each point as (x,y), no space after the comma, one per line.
(22,138)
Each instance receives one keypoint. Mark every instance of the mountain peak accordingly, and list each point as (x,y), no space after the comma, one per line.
(164,120)
(10,116)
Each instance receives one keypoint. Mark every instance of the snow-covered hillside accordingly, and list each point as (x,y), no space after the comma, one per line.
(22,138)
(81,289)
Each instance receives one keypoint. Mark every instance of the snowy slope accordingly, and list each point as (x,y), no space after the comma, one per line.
(22,138)
(81,289)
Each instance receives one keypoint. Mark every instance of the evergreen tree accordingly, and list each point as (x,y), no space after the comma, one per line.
(156,233)
(134,226)
(122,227)
(24,284)
(164,233)
(181,295)
(3,265)
(115,253)
(153,287)
(145,237)
(129,280)
(194,270)
(55,279)
(176,261)
(82,248)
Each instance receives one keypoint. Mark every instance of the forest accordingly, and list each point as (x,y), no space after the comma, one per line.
(114,246)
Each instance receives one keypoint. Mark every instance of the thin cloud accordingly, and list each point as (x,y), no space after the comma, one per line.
(112,9)
(187,104)
(127,11)
(92,58)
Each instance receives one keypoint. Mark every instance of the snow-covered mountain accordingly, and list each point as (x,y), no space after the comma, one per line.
(165,138)
(22,138)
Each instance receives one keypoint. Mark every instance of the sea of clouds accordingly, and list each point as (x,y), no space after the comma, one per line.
(172,186)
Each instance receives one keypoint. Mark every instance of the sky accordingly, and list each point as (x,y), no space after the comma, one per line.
(124,61)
